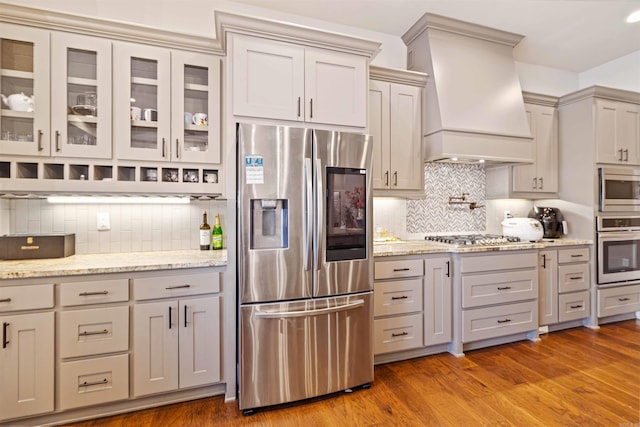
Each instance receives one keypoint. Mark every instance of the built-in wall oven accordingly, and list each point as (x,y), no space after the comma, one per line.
(618,249)
(619,189)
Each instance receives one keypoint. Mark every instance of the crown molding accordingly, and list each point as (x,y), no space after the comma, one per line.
(540,99)
(601,92)
(395,75)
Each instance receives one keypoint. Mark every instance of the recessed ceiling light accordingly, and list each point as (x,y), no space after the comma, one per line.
(633,17)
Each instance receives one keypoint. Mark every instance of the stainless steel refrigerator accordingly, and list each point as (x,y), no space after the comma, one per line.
(305,263)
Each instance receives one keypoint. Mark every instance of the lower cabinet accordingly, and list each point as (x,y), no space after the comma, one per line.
(176,332)
(618,300)
(497,295)
(412,303)
(564,281)
(27,352)
(174,345)
(26,365)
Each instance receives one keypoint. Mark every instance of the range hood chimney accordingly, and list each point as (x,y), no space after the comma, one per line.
(474,110)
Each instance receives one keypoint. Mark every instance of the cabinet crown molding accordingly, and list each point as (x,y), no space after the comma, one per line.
(287,32)
(114,30)
(602,92)
(540,99)
(395,75)
(430,21)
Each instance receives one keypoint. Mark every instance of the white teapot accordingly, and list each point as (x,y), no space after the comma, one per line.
(19,102)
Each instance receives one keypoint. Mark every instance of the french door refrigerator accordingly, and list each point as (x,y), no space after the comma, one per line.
(305,263)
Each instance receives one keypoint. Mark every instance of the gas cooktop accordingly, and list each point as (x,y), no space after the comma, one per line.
(473,239)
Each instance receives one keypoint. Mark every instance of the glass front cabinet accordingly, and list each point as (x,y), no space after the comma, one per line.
(24,84)
(80,96)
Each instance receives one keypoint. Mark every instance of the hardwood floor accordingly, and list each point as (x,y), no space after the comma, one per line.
(576,377)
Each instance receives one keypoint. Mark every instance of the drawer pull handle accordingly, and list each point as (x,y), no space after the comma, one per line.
(5,300)
(575,277)
(5,341)
(504,288)
(504,321)
(87,333)
(88,294)
(177,287)
(576,256)
(400,269)
(623,299)
(399,335)
(576,306)
(402,297)
(86,384)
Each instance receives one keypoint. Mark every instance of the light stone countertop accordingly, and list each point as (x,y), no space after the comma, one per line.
(420,247)
(111,263)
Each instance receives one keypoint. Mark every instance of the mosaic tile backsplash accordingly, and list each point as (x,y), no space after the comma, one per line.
(434,214)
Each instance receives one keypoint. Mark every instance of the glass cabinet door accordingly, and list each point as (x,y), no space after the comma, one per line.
(80,96)
(196,107)
(24,84)
(142,107)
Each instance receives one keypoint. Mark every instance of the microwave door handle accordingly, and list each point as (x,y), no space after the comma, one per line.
(308,215)
(307,313)
(320,213)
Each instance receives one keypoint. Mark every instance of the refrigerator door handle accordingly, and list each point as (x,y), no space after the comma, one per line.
(308,215)
(306,313)
(320,212)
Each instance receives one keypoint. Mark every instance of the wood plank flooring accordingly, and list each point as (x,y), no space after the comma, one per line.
(576,377)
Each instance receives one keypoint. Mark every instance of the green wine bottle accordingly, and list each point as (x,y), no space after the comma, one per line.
(216,235)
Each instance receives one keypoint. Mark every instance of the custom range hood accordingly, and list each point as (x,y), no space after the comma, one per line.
(474,111)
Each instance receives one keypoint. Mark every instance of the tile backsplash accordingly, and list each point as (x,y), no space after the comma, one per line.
(434,213)
(134,228)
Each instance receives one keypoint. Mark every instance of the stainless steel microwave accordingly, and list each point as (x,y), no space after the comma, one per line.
(619,189)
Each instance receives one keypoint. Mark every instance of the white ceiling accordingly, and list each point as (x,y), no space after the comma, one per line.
(573,35)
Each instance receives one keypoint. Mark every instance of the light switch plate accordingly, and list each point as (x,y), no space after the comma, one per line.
(104,223)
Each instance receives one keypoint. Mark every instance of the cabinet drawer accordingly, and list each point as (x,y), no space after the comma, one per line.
(95,331)
(470,264)
(573,277)
(29,297)
(93,381)
(398,333)
(625,299)
(175,286)
(573,306)
(397,297)
(397,269)
(573,255)
(94,292)
(490,322)
(496,288)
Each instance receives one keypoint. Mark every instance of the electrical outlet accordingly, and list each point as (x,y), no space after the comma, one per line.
(103,221)
(507,214)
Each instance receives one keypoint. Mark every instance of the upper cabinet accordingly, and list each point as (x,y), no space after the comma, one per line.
(537,180)
(395,99)
(142,102)
(297,74)
(195,103)
(542,175)
(24,74)
(80,96)
(617,132)
(278,80)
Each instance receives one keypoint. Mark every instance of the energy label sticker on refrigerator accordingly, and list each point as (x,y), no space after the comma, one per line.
(254,169)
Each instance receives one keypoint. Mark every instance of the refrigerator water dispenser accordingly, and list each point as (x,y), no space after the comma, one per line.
(269,225)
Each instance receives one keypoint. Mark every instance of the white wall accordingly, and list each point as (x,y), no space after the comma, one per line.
(621,73)
(545,80)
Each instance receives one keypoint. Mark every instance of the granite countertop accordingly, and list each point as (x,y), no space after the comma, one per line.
(420,247)
(111,263)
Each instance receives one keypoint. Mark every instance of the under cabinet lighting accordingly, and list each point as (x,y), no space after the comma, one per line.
(119,200)
(634,17)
